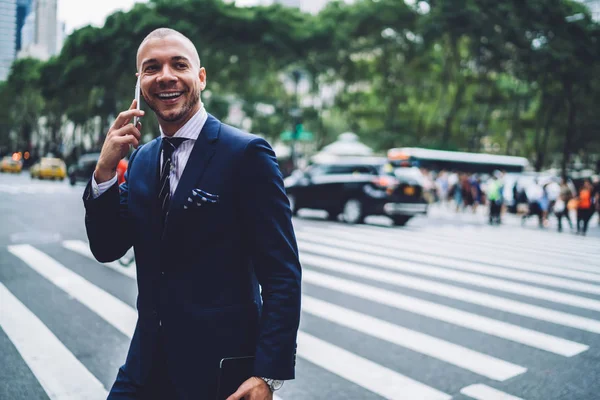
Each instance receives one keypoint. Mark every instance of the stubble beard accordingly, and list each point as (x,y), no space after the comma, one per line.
(189,105)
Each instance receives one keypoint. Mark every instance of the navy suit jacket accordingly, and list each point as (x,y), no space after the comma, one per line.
(199,276)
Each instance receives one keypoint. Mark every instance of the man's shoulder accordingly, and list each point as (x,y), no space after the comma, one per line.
(236,138)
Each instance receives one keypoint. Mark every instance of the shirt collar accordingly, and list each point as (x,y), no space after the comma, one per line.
(192,128)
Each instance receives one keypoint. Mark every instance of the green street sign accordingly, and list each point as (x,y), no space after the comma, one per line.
(304,136)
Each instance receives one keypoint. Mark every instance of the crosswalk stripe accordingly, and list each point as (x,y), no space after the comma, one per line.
(484,392)
(472,253)
(367,249)
(454,292)
(514,238)
(366,373)
(457,276)
(508,242)
(81,247)
(538,237)
(108,307)
(460,356)
(313,349)
(451,315)
(59,372)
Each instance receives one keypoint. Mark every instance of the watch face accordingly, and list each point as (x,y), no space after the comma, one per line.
(277,384)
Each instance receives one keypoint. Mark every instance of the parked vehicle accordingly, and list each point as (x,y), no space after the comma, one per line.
(83,170)
(48,168)
(358,187)
(9,164)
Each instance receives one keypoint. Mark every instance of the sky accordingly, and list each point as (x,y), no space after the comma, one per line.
(79,13)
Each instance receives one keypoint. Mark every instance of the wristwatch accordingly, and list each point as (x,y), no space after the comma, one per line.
(273,384)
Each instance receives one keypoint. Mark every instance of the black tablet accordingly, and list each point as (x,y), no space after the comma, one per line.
(233,371)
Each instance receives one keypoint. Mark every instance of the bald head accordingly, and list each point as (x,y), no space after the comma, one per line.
(162,33)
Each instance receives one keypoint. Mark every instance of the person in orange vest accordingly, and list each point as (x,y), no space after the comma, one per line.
(585,208)
(121,168)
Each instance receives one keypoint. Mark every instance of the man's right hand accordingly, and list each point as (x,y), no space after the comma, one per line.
(120,136)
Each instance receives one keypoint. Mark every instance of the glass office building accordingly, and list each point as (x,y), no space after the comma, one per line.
(8,36)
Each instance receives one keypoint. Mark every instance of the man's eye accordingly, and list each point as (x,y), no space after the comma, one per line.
(181,65)
(150,68)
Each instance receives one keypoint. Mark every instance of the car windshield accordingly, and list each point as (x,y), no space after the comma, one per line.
(412,174)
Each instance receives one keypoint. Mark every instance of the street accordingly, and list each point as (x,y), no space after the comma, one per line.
(444,308)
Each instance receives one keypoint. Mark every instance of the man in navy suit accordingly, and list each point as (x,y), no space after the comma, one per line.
(206,212)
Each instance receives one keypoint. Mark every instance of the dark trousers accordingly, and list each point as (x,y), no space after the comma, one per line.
(583,218)
(560,215)
(158,387)
(495,208)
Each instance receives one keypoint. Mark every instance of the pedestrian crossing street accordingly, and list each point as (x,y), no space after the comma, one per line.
(412,313)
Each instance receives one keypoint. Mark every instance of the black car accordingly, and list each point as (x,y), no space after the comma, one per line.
(83,170)
(357,188)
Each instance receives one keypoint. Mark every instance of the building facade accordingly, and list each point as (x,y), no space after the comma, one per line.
(46,25)
(23,10)
(8,36)
(594,7)
(42,34)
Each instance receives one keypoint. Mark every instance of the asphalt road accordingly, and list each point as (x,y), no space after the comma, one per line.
(446,307)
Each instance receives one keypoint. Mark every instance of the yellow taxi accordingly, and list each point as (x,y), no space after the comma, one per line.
(10,164)
(49,168)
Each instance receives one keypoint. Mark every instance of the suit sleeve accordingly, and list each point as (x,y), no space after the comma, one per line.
(107,220)
(268,228)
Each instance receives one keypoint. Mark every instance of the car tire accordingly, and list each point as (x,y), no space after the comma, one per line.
(72,181)
(293,207)
(400,220)
(353,212)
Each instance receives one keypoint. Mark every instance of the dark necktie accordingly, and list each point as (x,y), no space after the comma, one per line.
(169,145)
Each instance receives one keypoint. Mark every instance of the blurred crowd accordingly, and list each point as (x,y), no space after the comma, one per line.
(526,195)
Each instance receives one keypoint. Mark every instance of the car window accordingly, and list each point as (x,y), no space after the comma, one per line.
(404,173)
(317,170)
(352,169)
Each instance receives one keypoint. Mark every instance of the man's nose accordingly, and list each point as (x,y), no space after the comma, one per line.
(166,75)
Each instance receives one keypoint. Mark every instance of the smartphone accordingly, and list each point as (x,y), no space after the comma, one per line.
(233,372)
(137,98)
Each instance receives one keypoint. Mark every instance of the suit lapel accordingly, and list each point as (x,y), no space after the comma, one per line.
(154,167)
(203,150)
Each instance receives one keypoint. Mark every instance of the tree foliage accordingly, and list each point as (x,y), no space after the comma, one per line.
(509,77)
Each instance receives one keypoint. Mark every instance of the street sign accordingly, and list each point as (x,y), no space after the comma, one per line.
(304,136)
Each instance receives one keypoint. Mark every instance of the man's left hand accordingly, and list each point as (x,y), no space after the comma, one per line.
(253,389)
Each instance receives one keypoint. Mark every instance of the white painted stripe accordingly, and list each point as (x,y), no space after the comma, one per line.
(454,292)
(451,315)
(58,371)
(371,376)
(83,248)
(455,264)
(561,255)
(546,263)
(511,239)
(539,239)
(457,276)
(522,240)
(460,356)
(484,392)
(359,370)
(108,307)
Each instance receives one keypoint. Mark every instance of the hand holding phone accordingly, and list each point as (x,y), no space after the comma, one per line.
(137,100)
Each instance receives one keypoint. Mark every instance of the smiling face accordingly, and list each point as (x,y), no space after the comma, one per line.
(171,80)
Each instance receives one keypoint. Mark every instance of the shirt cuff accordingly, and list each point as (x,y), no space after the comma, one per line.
(99,188)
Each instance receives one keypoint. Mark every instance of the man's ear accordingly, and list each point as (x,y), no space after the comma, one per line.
(202,76)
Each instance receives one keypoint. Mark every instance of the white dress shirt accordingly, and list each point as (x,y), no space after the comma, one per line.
(191,131)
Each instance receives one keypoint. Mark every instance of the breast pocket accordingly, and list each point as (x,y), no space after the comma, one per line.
(200,224)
